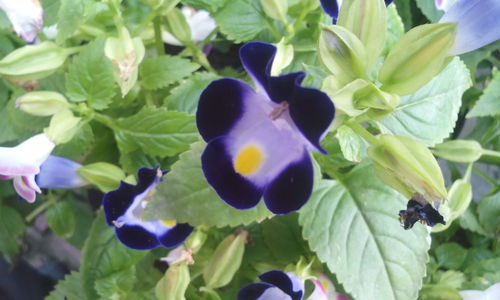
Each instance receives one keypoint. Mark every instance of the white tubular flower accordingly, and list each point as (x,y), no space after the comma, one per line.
(26,17)
(200,22)
(492,293)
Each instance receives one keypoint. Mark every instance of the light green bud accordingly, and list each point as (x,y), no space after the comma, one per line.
(409,167)
(63,126)
(459,198)
(126,54)
(196,240)
(104,175)
(419,56)
(33,61)
(275,9)
(367,20)
(342,53)
(174,284)
(225,261)
(283,57)
(42,103)
(178,26)
(459,150)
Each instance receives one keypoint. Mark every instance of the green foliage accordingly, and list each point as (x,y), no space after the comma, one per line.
(11,228)
(61,219)
(429,9)
(185,186)
(159,72)
(488,104)
(69,17)
(451,255)
(241,20)
(70,288)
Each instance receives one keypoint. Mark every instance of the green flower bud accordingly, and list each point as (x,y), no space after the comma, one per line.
(419,56)
(459,150)
(408,167)
(283,57)
(126,54)
(174,284)
(62,127)
(33,61)
(104,175)
(196,240)
(342,53)
(275,9)
(178,26)
(367,20)
(225,261)
(459,198)
(43,103)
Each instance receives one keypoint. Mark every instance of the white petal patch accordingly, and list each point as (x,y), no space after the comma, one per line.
(274,293)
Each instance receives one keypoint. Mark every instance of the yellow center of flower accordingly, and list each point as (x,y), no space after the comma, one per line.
(249,160)
(169,223)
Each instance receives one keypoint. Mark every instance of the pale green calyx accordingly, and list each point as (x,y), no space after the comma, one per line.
(178,26)
(104,175)
(62,127)
(283,57)
(42,103)
(275,9)
(174,284)
(465,151)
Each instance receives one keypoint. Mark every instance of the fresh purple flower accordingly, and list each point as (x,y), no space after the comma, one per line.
(276,285)
(332,7)
(26,17)
(123,208)
(59,173)
(478,24)
(259,141)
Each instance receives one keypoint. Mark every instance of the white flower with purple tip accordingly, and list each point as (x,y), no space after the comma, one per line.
(123,208)
(491,293)
(478,24)
(275,285)
(26,17)
(22,163)
(259,142)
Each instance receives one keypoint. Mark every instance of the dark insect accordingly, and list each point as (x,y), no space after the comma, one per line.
(415,211)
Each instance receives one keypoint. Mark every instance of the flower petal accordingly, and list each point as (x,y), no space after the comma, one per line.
(13,164)
(24,190)
(253,291)
(292,188)
(230,186)
(331,7)
(26,17)
(59,173)
(36,149)
(220,106)
(287,282)
(478,24)
(136,237)
(176,235)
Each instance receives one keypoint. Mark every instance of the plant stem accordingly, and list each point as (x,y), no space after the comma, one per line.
(40,209)
(105,120)
(484,176)
(365,134)
(160,50)
(490,156)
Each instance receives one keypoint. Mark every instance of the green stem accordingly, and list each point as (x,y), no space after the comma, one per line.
(363,132)
(273,30)
(40,209)
(490,156)
(105,120)
(200,57)
(485,176)
(468,171)
(160,50)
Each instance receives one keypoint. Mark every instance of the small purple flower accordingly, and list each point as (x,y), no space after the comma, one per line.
(59,173)
(123,208)
(332,7)
(259,142)
(416,211)
(276,285)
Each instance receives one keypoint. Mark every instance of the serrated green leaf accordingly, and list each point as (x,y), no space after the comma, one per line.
(488,104)
(185,97)
(70,288)
(104,255)
(428,7)
(11,228)
(116,285)
(156,131)
(84,216)
(488,211)
(470,220)
(90,77)
(185,196)
(352,226)
(240,20)
(70,15)
(133,161)
(61,219)
(209,5)
(159,72)
(352,145)
(284,232)
(451,255)
(429,114)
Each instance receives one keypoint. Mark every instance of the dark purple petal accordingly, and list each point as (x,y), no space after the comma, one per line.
(220,106)
(145,178)
(431,216)
(229,185)
(281,280)
(116,203)
(312,111)
(387,2)
(136,237)
(176,235)
(253,291)
(59,173)
(331,7)
(292,188)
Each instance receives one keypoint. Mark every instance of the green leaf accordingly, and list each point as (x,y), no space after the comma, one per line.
(284,232)
(428,7)
(352,226)
(437,291)
(185,187)
(159,72)
(116,285)
(7,134)
(185,97)
(395,29)
(61,219)
(83,220)
(90,77)
(78,145)
(488,211)
(429,114)
(69,18)
(453,279)
(24,124)
(451,255)
(104,255)
(133,161)
(50,11)
(241,20)
(70,288)
(352,145)
(156,131)
(11,228)
(210,5)
(488,104)
(470,220)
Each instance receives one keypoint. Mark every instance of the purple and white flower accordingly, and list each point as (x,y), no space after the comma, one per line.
(259,141)
(22,163)
(59,173)
(123,208)
(26,17)
(276,285)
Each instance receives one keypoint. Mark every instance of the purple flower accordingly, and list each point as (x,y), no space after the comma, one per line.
(123,208)
(276,285)
(259,141)
(332,7)
(59,173)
